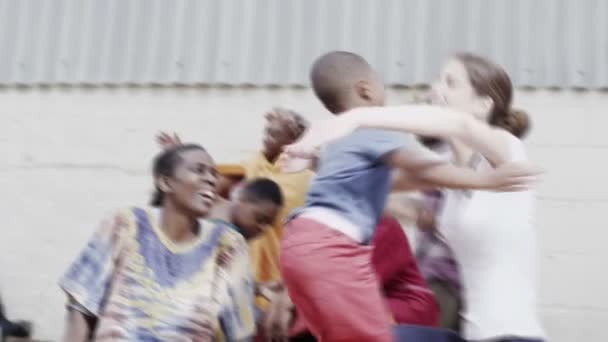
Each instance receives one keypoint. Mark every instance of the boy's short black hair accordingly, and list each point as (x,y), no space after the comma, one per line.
(263,189)
(333,75)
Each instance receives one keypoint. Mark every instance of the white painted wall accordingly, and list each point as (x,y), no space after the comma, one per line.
(69,156)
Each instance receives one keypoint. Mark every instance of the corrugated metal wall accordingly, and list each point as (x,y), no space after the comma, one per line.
(543,43)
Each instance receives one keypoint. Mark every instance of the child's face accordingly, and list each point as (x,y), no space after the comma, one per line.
(254,217)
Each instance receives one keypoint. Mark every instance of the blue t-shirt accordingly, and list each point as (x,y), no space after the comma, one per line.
(353,179)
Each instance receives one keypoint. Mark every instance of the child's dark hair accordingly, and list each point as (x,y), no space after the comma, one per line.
(263,189)
(165,164)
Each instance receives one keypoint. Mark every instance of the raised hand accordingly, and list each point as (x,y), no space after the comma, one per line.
(167,141)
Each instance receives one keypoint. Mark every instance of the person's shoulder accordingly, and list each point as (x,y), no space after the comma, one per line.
(369,137)
(229,235)
(374,135)
(517,148)
(118,223)
(253,164)
(256,159)
(128,216)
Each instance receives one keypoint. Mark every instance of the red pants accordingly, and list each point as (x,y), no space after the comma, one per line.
(331,281)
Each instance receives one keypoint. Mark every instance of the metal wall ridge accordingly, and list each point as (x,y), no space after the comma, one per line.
(542,43)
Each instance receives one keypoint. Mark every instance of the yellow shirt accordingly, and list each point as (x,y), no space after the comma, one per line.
(265,249)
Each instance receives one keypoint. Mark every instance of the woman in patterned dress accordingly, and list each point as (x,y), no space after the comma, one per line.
(164,273)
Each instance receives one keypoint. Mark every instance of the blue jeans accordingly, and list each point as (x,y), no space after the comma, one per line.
(406,333)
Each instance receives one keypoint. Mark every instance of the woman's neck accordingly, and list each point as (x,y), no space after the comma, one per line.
(178,226)
(461,154)
(222,210)
(231,212)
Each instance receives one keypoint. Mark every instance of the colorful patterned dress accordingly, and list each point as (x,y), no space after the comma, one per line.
(143,287)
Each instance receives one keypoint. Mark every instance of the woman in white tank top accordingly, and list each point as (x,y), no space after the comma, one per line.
(491,233)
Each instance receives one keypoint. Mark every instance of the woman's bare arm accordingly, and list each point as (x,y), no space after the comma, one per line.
(78,325)
(422,120)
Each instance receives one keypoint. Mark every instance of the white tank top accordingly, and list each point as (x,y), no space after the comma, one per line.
(494,242)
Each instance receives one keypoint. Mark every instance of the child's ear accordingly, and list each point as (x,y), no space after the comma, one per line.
(364,90)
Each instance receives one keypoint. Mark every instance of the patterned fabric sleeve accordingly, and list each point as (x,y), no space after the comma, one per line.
(237,317)
(88,278)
